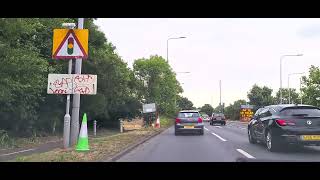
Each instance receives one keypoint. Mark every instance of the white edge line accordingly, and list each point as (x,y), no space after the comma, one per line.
(245,154)
(17,152)
(206,129)
(218,136)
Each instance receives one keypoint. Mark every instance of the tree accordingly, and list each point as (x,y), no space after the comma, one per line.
(158,82)
(207,108)
(25,62)
(233,110)
(260,96)
(311,87)
(294,96)
(184,103)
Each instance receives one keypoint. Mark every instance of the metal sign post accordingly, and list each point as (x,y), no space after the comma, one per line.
(71,44)
(76,99)
(66,126)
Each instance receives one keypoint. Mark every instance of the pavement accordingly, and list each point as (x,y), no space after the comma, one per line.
(11,154)
(218,144)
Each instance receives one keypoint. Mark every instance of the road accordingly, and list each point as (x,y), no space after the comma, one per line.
(218,144)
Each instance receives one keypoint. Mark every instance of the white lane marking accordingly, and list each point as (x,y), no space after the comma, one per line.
(206,129)
(17,152)
(217,126)
(243,128)
(218,136)
(245,154)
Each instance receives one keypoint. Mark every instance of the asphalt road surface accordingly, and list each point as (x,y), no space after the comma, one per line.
(218,144)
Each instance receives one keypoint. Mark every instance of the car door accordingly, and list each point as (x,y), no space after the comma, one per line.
(254,122)
(263,122)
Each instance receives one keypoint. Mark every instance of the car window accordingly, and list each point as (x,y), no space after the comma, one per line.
(188,114)
(258,111)
(300,111)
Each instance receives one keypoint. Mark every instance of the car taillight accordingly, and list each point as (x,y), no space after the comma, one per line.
(199,120)
(178,120)
(283,122)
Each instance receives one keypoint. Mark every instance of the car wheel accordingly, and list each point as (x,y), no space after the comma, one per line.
(251,139)
(272,143)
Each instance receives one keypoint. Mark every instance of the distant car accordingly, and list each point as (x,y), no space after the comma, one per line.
(281,125)
(205,118)
(189,121)
(218,118)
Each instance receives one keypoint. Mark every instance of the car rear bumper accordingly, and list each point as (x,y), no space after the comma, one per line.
(181,128)
(296,139)
(218,121)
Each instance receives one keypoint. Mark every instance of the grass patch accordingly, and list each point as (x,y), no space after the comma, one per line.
(100,148)
(166,121)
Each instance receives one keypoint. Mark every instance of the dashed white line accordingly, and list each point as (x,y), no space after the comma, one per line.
(217,126)
(218,136)
(206,129)
(17,152)
(245,154)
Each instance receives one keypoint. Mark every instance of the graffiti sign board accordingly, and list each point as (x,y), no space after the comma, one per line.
(85,84)
(148,108)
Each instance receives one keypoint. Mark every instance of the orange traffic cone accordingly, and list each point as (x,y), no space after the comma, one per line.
(158,122)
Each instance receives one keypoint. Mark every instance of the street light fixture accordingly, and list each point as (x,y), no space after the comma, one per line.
(289,85)
(281,58)
(182,37)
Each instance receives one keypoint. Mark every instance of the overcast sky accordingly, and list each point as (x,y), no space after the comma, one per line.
(239,52)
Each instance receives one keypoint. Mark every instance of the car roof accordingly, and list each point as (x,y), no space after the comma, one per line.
(279,107)
(188,111)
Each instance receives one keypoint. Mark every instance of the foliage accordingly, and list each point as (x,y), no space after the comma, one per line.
(25,62)
(260,96)
(233,110)
(294,96)
(311,87)
(184,103)
(158,83)
(207,108)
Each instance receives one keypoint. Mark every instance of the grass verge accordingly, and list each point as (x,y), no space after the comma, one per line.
(102,147)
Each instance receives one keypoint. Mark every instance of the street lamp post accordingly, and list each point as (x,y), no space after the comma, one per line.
(281,58)
(289,84)
(168,45)
(67,117)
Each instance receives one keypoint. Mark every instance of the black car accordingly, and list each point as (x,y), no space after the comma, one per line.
(218,118)
(286,124)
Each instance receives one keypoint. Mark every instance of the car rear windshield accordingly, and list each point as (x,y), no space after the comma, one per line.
(188,114)
(219,115)
(304,111)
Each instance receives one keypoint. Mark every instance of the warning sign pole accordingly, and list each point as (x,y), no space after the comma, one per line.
(76,99)
(66,127)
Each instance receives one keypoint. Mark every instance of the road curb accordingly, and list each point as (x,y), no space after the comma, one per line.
(130,148)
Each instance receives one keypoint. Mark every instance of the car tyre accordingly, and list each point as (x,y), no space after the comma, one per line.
(251,139)
(272,144)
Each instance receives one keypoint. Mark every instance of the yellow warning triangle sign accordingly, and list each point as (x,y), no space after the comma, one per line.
(70,47)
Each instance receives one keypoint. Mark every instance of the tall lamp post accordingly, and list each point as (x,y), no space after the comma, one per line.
(281,58)
(182,37)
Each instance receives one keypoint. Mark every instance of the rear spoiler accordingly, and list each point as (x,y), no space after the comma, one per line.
(298,107)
